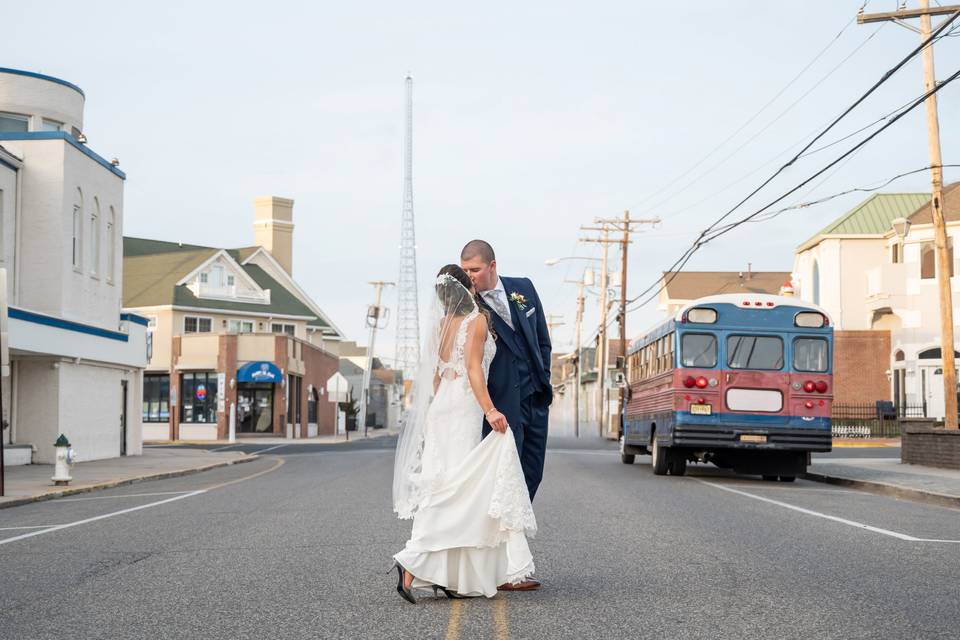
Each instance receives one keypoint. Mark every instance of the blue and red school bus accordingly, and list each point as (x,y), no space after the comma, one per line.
(743,381)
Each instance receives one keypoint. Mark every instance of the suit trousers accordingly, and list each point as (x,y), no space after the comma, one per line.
(531,437)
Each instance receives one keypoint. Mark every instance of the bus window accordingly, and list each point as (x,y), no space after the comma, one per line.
(755,352)
(810,354)
(699,350)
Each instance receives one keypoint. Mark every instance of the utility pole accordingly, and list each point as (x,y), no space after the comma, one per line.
(551,323)
(374,316)
(936,176)
(624,225)
(581,283)
(604,241)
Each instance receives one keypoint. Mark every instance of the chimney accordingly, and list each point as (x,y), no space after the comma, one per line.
(273,228)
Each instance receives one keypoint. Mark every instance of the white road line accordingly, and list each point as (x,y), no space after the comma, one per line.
(817,514)
(95,518)
(227,446)
(36,526)
(271,448)
(128,495)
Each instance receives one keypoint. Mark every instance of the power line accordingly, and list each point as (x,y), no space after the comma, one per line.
(770,102)
(683,259)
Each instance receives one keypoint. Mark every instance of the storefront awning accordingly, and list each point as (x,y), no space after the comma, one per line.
(259,372)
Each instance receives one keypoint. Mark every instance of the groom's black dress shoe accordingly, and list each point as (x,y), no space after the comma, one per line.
(526,585)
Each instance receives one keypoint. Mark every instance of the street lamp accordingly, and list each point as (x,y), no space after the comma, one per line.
(553,261)
(901,227)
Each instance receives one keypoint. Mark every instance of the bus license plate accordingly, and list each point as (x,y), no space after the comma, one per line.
(752,438)
(700,409)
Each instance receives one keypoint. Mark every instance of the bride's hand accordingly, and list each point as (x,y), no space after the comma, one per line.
(498,421)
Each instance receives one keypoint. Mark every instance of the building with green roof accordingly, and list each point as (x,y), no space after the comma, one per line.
(232,333)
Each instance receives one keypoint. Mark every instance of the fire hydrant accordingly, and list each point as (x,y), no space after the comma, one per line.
(65,458)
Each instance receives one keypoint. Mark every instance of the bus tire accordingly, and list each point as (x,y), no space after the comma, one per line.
(627,458)
(787,478)
(678,464)
(770,478)
(659,457)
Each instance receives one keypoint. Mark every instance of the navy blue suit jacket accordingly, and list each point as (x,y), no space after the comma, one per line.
(531,329)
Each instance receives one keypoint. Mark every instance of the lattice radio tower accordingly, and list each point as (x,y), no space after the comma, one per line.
(408,311)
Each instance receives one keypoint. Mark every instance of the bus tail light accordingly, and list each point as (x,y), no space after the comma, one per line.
(702,382)
(809,386)
(808,404)
(821,387)
(690,382)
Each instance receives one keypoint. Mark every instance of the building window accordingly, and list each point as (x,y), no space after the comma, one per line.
(156,398)
(928,261)
(51,125)
(112,245)
(77,229)
(230,281)
(13,123)
(241,326)
(199,394)
(203,278)
(289,329)
(95,238)
(216,276)
(197,324)
(895,253)
(312,407)
(816,282)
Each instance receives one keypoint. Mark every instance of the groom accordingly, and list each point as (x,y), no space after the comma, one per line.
(519,379)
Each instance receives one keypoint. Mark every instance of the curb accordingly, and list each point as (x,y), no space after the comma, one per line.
(110,484)
(886,489)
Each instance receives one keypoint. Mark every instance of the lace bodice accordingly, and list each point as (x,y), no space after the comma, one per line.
(456,367)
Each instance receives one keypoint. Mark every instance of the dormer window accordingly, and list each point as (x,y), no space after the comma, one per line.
(216,276)
(203,278)
(230,281)
(221,278)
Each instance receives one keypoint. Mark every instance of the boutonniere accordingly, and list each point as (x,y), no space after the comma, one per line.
(519,299)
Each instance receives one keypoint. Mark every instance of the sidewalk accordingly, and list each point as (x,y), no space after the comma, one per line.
(888,476)
(32,483)
(335,439)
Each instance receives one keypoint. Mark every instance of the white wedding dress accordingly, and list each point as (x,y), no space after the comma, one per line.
(470,531)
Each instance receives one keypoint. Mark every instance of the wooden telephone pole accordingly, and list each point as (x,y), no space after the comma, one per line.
(936,174)
(625,226)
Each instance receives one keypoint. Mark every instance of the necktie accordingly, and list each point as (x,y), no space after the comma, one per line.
(496,302)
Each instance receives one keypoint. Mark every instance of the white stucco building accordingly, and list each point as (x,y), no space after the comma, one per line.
(872,278)
(76,360)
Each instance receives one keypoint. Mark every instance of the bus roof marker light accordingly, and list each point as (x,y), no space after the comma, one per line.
(701,315)
(810,319)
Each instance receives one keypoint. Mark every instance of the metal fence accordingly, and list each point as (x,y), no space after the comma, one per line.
(872,420)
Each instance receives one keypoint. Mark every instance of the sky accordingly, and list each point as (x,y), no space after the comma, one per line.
(530,120)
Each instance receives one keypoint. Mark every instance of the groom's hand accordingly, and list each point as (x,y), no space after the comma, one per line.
(498,421)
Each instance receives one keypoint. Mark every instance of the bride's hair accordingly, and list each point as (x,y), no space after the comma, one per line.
(457,273)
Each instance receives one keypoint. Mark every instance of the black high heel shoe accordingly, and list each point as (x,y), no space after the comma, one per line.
(405,593)
(453,595)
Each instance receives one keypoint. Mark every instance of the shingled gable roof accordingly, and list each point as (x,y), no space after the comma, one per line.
(873,216)
(690,285)
(951,207)
(152,269)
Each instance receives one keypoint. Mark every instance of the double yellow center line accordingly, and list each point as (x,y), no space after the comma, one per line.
(500,622)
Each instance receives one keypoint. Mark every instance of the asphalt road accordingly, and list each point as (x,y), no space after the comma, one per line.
(298,545)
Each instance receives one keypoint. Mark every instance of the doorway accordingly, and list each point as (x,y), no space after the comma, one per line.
(255,408)
(123,418)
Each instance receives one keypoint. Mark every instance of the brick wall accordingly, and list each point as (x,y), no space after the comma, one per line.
(860,362)
(320,366)
(932,447)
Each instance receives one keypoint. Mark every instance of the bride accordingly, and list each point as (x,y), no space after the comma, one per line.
(466,494)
